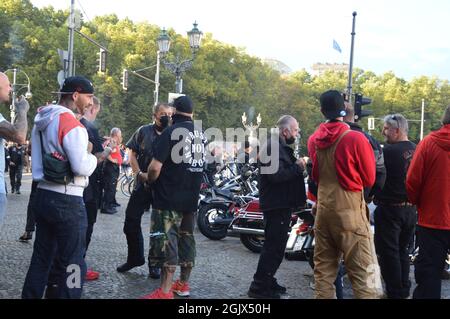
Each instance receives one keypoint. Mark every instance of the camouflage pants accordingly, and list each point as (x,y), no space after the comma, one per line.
(172,239)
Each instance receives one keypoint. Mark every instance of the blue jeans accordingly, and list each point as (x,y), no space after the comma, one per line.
(339,282)
(61,225)
(2,207)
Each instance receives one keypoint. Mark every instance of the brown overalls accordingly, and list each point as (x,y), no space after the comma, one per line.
(342,229)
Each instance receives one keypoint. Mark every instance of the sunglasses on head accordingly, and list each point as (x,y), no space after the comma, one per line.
(393,117)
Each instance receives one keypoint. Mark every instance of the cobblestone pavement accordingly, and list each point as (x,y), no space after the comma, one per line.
(224,268)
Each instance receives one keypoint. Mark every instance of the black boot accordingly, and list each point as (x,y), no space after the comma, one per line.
(277,287)
(262,290)
(51,292)
(109,211)
(128,266)
(28,235)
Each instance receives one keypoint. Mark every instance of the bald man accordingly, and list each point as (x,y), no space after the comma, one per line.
(281,191)
(15,132)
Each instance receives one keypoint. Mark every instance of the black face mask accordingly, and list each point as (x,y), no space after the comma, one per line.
(164,120)
(290,140)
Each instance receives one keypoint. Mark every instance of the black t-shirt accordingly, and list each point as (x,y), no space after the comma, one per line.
(181,149)
(397,158)
(142,143)
(93,135)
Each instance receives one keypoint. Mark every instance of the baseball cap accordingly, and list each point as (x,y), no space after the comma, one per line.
(332,104)
(183,104)
(76,84)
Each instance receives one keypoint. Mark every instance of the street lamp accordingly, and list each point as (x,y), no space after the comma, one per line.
(178,67)
(251,127)
(195,37)
(16,87)
(163,42)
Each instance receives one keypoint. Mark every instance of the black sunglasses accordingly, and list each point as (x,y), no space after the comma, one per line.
(393,117)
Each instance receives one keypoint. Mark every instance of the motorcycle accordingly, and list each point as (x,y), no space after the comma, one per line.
(218,204)
(249,224)
(300,244)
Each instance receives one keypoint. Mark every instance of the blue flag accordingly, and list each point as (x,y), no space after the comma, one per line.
(336,46)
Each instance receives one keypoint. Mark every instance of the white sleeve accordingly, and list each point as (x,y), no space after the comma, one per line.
(75,144)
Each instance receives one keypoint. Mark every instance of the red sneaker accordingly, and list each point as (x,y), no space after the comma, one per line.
(92,275)
(181,289)
(158,294)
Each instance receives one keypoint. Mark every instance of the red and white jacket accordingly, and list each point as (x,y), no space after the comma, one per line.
(64,134)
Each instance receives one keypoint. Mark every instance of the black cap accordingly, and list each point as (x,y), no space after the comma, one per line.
(332,104)
(76,84)
(183,104)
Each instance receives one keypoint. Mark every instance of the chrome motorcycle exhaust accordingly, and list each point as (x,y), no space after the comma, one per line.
(248,231)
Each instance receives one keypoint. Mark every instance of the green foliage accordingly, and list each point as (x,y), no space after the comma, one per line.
(224,81)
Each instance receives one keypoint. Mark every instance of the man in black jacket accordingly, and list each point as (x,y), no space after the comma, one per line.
(142,144)
(282,189)
(16,154)
(92,193)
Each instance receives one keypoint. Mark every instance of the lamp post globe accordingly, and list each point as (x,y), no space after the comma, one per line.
(195,37)
(163,42)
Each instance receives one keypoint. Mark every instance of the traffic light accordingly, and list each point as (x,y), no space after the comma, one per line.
(125,79)
(360,101)
(102,61)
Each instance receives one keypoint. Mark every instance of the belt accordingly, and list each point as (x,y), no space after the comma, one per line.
(402,204)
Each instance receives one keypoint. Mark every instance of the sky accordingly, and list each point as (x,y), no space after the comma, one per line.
(408,37)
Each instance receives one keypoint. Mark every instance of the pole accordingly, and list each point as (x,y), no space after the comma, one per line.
(91,40)
(70,71)
(350,67)
(13,104)
(156,93)
(422,119)
(179,83)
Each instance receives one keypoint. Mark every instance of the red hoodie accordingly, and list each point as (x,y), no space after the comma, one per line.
(428,179)
(355,162)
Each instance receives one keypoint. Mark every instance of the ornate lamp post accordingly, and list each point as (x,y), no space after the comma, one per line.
(16,87)
(179,66)
(251,127)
